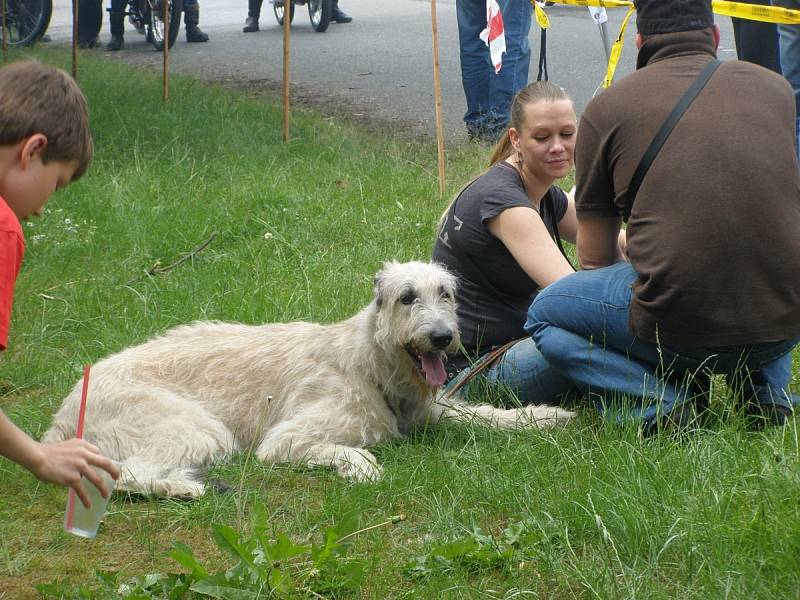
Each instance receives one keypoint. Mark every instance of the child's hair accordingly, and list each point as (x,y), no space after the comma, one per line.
(38,98)
(540,91)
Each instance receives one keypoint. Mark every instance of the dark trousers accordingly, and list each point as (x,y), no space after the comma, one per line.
(757,42)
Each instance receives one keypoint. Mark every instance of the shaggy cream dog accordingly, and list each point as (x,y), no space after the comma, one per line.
(295,392)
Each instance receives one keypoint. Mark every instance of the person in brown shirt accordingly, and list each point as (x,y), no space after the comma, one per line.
(712,285)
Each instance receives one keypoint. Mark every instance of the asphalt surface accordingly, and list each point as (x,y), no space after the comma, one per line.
(380,66)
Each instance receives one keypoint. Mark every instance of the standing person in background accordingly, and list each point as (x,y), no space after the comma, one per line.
(757,41)
(489,94)
(789,43)
(254,13)
(116,20)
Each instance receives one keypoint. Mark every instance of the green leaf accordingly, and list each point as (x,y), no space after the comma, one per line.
(227,539)
(183,555)
(217,586)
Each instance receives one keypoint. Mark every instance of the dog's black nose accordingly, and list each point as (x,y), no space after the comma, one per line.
(441,338)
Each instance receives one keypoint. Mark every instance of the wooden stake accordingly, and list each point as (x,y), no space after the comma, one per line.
(75,40)
(437,96)
(4,31)
(287,11)
(165,68)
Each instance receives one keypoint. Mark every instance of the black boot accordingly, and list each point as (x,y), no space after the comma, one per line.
(337,16)
(191,17)
(117,22)
(253,13)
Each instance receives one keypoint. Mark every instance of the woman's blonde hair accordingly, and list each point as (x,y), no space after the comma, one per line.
(533,93)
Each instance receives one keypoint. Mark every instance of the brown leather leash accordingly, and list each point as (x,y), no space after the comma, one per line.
(485,361)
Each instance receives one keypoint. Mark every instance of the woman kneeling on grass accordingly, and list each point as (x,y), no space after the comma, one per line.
(502,237)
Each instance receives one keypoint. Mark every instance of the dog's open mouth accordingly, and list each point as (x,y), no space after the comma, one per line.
(429,363)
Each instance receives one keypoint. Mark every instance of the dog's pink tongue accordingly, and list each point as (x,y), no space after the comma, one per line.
(434,369)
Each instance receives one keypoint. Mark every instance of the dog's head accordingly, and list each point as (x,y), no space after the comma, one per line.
(416,313)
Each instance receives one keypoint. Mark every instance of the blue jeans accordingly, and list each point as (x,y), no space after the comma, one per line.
(489,95)
(789,38)
(580,324)
(524,371)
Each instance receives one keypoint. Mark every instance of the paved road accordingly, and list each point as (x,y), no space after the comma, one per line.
(381,63)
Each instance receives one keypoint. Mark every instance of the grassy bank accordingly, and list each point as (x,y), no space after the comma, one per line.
(298,230)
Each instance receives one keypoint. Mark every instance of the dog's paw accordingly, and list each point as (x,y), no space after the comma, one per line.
(544,415)
(359,465)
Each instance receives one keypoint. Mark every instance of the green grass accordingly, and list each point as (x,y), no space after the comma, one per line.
(300,230)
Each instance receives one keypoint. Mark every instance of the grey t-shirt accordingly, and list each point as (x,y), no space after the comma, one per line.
(491,316)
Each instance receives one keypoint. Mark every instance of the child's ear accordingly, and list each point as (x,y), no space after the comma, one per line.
(32,147)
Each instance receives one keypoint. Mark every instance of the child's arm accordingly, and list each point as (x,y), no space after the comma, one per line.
(61,463)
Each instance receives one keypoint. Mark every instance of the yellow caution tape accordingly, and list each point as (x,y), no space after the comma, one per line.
(757,12)
(598,3)
(541,17)
(616,49)
(753,12)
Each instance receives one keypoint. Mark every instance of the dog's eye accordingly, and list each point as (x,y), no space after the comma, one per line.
(408,298)
(443,293)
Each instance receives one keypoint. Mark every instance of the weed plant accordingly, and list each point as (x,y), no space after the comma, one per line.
(584,511)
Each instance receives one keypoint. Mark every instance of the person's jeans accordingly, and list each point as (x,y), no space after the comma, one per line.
(790,55)
(489,95)
(580,324)
(525,372)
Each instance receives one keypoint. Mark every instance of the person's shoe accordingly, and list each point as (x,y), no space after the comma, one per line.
(86,44)
(195,34)
(250,25)
(117,43)
(337,16)
(759,416)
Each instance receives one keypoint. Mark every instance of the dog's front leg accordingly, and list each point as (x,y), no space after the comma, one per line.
(531,416)
(284,445)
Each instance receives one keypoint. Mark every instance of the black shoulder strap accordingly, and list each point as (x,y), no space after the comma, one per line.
(663,133)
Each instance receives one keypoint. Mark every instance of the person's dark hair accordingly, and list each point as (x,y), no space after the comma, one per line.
(668,16)
(533,93)
(38,98)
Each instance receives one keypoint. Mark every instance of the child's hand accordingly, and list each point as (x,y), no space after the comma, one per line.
(65,462)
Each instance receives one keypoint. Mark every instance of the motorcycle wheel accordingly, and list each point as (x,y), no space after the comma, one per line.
(154,23)
(319,11)
(278,10)
(26,21)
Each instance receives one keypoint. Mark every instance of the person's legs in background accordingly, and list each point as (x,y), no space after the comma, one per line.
(253,14)
(476,65)
(116,21)
(337,14)
(191,18)
(789,38)
(757,41)
(513,76)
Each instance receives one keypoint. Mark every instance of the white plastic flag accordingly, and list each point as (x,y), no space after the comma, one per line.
(598,14)
(494,35)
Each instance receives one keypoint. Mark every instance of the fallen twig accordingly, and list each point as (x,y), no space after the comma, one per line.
(156,269)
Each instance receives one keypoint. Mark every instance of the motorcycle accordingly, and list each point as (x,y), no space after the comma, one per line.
(319,12)
(24,21)
(27,20)
(147,16)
